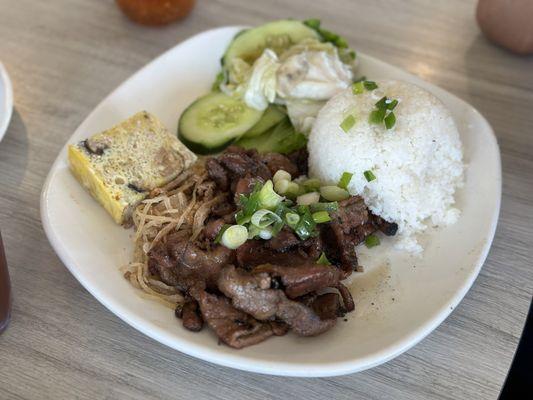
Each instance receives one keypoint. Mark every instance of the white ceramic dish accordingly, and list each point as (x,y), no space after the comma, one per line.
(6,100)
(399,299)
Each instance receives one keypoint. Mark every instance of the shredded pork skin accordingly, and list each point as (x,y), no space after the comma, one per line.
(182,205)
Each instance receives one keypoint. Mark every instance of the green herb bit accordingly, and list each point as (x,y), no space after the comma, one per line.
(323,260)
(348,123)
(369,175)
(352,54)
(292,219)
(313,23)
(382,103)
(331,206)
(390,120)
(377,116)
(311,184)
(221,232)
(372,241)
(370,85)
(345,180)
(358,87)
(306,227)
(391,104)
(234,236)
(341,43)
(329,36)
(321,217)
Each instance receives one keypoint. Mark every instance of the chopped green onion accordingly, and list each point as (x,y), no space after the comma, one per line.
(390,120)
(221,232)
(281,186)
(348,123)
(321,216)
(329,36)
(392,104)
(358,88)
(253,231)
(265,234)
(331,206)
(352,54)
(264,218)
(370,85)
(345,180)
(292,219)
(377,116)
(372,241)
(341,43)
(382,103)
(334,193)
(241,218)
(369,175)
(308,198)
(323,260)
(250,203)
(268,198)
(234,236)
(313,23)
(311,184)
(294,190)
(281,175)
(306,226)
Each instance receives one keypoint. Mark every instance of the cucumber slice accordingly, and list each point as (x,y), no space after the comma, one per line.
(277,36)
(280,139)
(214,121)
(272,116)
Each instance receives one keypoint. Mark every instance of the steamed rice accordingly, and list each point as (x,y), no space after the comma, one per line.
(417,163)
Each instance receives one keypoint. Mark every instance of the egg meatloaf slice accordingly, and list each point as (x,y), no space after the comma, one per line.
(121,165)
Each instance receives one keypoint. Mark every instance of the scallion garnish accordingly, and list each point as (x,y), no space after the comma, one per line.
(372,241)
(323,260)
(341,43)
(292,219)
(392,104)
(345,180)
(321,216)
(348,123)
(369,175)
(358,88)
(389,120)
(234,236)
(313,23)
(334,193)
(382,103)
(352,54)
(377,116)
(330,206)
(221,232)
(370,85)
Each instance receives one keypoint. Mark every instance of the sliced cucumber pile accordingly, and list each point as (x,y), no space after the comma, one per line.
(272,116)
(280,139)
(214,121)
(277,36)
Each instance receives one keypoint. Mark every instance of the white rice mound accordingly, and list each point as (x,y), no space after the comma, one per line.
(418,163)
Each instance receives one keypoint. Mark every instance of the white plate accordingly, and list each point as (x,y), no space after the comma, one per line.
(6,101)
(392,313)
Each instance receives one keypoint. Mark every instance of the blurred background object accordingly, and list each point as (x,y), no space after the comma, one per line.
(5,290)
(508,23)
(156,12)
